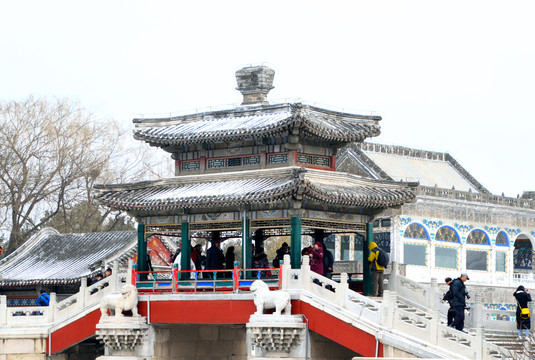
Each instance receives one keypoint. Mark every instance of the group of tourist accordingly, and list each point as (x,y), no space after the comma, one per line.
(456,297)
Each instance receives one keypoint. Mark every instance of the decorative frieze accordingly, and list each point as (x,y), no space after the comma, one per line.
(271,335)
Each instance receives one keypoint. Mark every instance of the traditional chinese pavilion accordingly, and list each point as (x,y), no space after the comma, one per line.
(255,171)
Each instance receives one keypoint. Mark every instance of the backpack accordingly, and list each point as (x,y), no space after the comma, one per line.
(382,258)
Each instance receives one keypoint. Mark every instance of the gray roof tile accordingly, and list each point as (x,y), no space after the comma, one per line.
(254,187)
(260,121)
(51,258)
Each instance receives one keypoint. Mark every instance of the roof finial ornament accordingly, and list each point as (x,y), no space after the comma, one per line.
(254,82)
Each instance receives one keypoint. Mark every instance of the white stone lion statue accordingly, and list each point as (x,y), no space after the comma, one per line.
(117,303)
(266,299)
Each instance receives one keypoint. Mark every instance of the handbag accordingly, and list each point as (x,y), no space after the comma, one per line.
(524,312)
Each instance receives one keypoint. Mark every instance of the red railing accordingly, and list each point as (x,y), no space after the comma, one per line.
(225,280)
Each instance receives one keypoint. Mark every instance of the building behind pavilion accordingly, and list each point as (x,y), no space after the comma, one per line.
(455,225)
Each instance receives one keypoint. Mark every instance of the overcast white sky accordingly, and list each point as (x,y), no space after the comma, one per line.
(455,76)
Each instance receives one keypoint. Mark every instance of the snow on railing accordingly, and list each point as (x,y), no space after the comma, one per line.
(59,311)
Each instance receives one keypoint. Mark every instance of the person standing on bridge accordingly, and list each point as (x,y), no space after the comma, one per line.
(377,270)
(316,263)
(458,290)
(448,296)
(43,299)
(523,317)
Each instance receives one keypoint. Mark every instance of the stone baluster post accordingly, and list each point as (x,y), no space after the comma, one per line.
(286,267)
(129,271)
(341,290)
(304,279)
(82,293)
(52,307)
(3,309)
(477,311)
(388,309)
(433,329)
(115,277)
(432,295)
(394,277)
(478,344)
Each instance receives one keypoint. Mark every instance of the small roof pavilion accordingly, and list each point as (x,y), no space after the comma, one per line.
(255,171)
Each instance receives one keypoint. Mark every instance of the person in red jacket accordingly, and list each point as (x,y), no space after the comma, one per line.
(316,262)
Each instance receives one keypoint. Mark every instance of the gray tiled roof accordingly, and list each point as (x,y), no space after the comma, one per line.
(258,121)
(428,168)
(254,187)
(52,258)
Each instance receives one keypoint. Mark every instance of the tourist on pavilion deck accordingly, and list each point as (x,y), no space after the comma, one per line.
(196,256)
(230,257)
(316,262)
(214,258)
(260,261)
(523,320)
(283,250)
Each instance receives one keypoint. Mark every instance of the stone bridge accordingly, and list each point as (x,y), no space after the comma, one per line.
(409,321)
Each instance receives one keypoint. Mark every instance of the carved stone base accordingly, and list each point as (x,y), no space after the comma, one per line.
(122,335)
(277,336)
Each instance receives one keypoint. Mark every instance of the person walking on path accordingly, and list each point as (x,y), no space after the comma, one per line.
(448,296)
(377,270)
(523,320)
(458,290)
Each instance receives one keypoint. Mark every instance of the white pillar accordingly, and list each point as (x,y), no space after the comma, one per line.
(52,307)
(3,309)
(433,291)
(286,268)
(341,290)
(82,292)
(304,279)
(129,271)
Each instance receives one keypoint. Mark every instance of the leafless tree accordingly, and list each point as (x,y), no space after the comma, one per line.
(51,154)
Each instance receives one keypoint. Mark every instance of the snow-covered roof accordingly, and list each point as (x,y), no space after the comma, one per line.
(428,168)
(259,121)
(253,188)
(52,258)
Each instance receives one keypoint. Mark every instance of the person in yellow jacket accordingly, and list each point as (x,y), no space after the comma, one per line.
(377,270)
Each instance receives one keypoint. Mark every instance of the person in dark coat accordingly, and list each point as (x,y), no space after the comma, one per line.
(458,290)
(196,256)
(328,263)
(214,258)
(316,262)
(449,297)
(523,322)
(283,250)
(260,261)
(230,257)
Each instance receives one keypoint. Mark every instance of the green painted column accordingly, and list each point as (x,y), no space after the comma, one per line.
(247,244)
(185,253)
(295,246)
(141,251)
(367,287)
